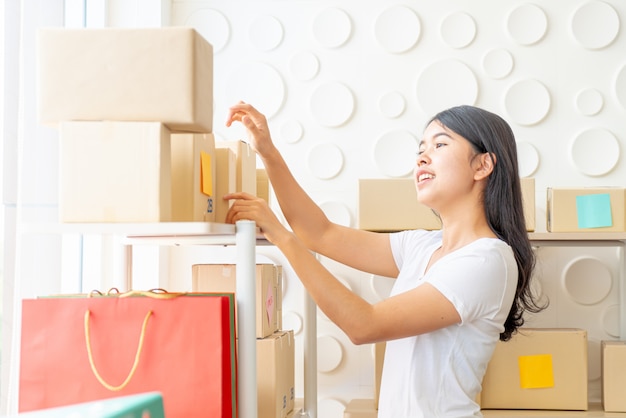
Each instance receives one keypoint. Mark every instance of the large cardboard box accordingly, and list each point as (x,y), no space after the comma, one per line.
(391,205)
(613,360)
(114,172)
(276,374)
(528,200)
(360,408)
(221,278)
(193,177)
(379,361)
(262,184)
(120,74)
(593,209)
(225,182)
(246,164)
(538,369)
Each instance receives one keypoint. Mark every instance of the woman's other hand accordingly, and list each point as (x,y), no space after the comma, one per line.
(256,125)
(248,207)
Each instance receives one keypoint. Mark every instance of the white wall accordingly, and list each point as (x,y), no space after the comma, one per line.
(347,87)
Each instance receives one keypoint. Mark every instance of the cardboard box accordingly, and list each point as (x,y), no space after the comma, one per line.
(360,408)
(613,376)
(193,177)
(379,360)
(593,209)
(225,182)
(528,200)
(391,205)
(221,278)
(144,405)
(114,172)
(262,184)
(276,374)
(149,74)
(538,369)
(246,164)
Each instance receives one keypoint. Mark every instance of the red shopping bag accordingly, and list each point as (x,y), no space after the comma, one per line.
(80,349)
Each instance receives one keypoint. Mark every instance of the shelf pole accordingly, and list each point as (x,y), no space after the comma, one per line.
(245,237)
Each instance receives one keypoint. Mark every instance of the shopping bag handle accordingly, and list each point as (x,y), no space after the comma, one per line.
(135,363)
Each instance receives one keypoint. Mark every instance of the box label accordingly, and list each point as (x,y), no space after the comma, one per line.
(536,371)
(594,210)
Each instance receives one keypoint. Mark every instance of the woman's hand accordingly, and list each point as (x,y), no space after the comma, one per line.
(249,207)
(256,125)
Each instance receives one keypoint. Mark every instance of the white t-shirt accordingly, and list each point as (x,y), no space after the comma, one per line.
(439,374)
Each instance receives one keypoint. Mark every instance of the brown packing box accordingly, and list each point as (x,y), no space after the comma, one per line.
(114,172)
(538,369)
(379,360)
(528,199)
(276,374)
(193,177)
(119,74)
(391,205)
(221,278)
(225,182)
(360,408)
(246,164)
(262,184)
(565,211)
(613,360)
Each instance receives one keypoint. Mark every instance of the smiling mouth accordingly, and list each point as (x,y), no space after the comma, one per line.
(425,176)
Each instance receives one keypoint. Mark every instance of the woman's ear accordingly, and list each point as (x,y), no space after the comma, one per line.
(485,163)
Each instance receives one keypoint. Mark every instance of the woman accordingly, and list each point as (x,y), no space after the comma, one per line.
(457,290)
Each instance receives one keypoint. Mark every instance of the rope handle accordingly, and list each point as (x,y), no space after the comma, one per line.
(135,363)
(152,293)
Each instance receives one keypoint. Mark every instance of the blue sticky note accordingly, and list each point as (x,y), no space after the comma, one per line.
(594,210)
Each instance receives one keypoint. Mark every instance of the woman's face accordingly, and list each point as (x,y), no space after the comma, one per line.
(445,166)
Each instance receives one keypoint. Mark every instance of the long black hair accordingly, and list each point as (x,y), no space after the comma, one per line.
(489,133)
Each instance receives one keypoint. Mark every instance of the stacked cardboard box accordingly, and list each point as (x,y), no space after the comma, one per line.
(593,209)
(134,108)
(275,346)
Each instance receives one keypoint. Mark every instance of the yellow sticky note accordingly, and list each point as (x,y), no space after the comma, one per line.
(536,371)
(206,180)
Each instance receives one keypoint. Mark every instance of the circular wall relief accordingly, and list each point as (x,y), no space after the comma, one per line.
(444,84)
(332,27)
(595,152)
(325,161)
(292,320)
(329,353)
(212,25)
(337,212)
(589,102)
(332,104)
(611,320)
(458,30)
(304,65)
(595,24)
(265,33)
(527,24)
(528,159)
(291,131)
(498,63)
(587,280)
(527,102)
(381,286)
(397,29)
(392,104)
(257,83)
(394,153)
(620,86)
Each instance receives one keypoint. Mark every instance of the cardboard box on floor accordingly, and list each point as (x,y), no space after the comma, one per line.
(276,374)
(119,74)
(114,172)
(221,278)
(360,408)
(538,369)
(193,177)
(593,209)
(613,360)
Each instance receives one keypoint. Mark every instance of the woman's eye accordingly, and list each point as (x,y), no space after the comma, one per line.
(439,144)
